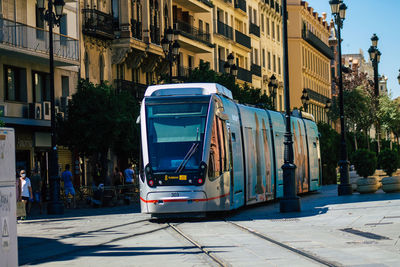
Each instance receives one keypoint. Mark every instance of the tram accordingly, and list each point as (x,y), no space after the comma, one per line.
(202,151)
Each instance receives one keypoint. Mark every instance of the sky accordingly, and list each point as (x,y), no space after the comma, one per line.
(363,19)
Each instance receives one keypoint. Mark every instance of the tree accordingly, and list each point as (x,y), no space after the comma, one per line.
(2,124)
(99,119)
(388,114)
(329,146)
(243,94)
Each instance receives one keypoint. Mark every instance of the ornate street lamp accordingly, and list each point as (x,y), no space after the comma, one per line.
(375,57)
(170,47)
(328,105)
(339,12)
(290,202)
(272,86)
(55,205)
(229,67)
(305,100)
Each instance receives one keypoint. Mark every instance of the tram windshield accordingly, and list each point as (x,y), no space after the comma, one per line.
(175,132)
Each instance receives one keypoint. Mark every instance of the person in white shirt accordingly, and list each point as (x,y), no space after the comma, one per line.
(26,190)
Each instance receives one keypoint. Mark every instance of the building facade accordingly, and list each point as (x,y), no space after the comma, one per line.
(24,78)
(309,58)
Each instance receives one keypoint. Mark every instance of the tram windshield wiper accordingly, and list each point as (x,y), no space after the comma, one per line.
(188,155)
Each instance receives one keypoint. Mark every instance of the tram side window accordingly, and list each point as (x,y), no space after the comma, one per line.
(218,161)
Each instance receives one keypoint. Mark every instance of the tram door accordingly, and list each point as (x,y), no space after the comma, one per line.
(251,173)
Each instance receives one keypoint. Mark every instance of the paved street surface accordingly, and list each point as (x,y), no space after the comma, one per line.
(356,230)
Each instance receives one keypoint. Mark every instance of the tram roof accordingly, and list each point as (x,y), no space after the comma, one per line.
(188,89)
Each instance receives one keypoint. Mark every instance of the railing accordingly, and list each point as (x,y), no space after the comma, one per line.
(241,4)
(134,88)
(192,32)
(316,96)
(242,39)
(155,34)
(225,30)
(207,2)
(313,40)
(37,40)
(136,28)
(98,24)
(256,70)
(244,75)
(254,29)
(184,72)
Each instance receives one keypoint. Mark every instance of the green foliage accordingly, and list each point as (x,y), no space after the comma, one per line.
(389,114)
(364,162)
(100,119)
(244,94)
(330,148)
(388,160)
(2,124)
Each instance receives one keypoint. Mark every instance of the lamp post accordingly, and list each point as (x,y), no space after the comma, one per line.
(55,205)
(305,100)
(290,201)
(230,67)
(170,47)
(327,107)
(375,57)
(398,77)
(339,12)
(272,86)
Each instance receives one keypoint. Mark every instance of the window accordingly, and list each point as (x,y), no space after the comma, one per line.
(262,22)
(63,29)
(41,86)
(278,33)
(87,62)
(15,84)
(268,33)
(273,30)
(200,26)
(254,16)
(65,85)
(280,102)
(101,68)
(207,28)
(39,24)
(250,14)
(269,60)
(263,58)
(279,66)
(256,56)
(274,62)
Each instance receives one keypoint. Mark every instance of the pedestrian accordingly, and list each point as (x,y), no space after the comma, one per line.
(26,191)
(36,182)
(68,186)
(129,174)
(117,177)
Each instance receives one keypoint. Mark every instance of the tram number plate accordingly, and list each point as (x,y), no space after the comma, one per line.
(175,194)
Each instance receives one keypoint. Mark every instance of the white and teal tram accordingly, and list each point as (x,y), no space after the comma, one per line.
(201,151)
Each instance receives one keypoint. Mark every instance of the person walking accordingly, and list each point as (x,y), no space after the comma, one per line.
(68,186)
(26,191)
(129,174)
(36,182)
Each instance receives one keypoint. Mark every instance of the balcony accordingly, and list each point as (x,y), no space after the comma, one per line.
(316,96)
(193,33)
(30,43)
(224,30)
(317,43)
(244,75)
(254,29)
(136,28)
(196,6)
(241,4)
(242,39)
(134,88)
(98,24)
(183,72)
(256,70)
(155,34)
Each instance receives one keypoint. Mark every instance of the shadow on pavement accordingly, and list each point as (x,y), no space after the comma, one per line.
(55,250)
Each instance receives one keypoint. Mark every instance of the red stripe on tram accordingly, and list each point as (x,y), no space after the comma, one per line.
(184,200)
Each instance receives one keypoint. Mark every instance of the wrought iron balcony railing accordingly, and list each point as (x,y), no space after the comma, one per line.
(254,29)
(244,75)
(240,4)
(98,24)
(313,40)
(184,72)
(316,96)
(256,70)
(192,32)
(225,30)
(37,40)
(242,39)
(155,34)
(136,28)
(134,88)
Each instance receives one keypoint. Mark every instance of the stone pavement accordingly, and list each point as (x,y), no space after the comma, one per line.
(355,230)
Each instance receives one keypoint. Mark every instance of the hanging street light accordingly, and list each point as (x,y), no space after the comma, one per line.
(272,87)
(170,48)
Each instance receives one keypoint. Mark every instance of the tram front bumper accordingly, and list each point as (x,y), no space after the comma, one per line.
(173,202)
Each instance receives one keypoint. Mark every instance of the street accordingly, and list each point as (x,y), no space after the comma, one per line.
(329,231)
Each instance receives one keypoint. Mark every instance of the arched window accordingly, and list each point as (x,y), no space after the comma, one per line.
(101,66)
(86,62)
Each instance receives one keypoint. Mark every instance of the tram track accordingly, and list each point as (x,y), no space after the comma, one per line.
(285,246)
